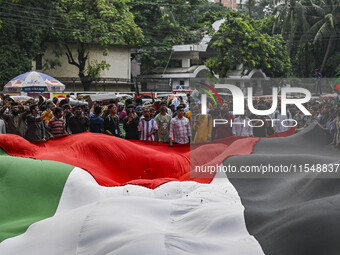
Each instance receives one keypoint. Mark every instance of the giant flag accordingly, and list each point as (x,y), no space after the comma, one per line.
(95,194)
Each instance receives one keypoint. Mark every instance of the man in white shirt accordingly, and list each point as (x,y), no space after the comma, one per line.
(2,127)
(285,84)
(278,118)
(241,126)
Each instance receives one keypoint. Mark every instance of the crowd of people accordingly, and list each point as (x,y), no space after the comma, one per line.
(325,112)
(164,120)
(129,120)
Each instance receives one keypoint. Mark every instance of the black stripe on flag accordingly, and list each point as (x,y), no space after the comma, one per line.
(295,213)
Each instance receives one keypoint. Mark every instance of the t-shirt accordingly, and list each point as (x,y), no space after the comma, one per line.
(221,130)
(131,128)
(35,128)
(111,123)
(163,123)
(78,124)
(241,127)
(147,126)
(261,130)
(96,123)
(56,127)
(317,76)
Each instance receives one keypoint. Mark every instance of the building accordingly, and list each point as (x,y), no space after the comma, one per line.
(231,4)
(117,77)
(191,58)
(193,72)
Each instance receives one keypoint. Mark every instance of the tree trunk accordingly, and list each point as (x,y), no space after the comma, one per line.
(249,8)
(324,61)
(86,85)
(292,31)
(82,58)
(85,81)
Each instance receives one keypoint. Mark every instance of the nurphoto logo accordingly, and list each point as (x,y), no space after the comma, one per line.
(238,100)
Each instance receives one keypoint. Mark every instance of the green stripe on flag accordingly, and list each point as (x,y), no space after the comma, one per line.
(30,191)
(2,152)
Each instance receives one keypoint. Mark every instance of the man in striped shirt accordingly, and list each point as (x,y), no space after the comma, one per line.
(147,127)
(179,128)
(56,126)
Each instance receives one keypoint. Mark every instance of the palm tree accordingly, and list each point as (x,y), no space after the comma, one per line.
(291,19)
(325,26)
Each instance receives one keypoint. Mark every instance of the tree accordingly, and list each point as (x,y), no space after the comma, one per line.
(315,43)
(261,9)
(22,32)
(166,23)
(279,64)
(324,27)
(238,42)
(94,21)
(291,18)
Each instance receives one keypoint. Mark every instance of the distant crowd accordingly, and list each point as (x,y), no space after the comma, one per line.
(325,112)
(129,119)
(169,120)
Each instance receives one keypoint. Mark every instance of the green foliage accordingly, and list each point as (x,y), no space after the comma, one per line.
(94,21)
(278,60)
(265,25)
(51,63)
(259,9)
(308,30)
(105,22)
(304,62)
(12,62)
(94,68)
(238,42)
(312,30)
(21,37)
(333,65)
(166,23)
(324,29)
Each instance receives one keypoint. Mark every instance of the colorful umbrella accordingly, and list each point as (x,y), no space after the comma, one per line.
(34,82)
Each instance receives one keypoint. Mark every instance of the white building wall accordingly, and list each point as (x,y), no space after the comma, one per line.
(179,82)
(117,57)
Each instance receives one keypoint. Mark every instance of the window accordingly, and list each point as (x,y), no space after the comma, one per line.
(181,83)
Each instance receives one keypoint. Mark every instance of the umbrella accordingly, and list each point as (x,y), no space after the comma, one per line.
(34,82)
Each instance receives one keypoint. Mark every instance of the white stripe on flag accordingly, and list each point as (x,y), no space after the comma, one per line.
(176,218)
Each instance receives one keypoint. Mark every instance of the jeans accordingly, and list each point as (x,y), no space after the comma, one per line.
(317,88)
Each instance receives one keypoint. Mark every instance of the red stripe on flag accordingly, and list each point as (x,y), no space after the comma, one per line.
(114,162)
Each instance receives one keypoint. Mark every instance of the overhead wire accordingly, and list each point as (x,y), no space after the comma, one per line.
(57,23)
(152,38)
